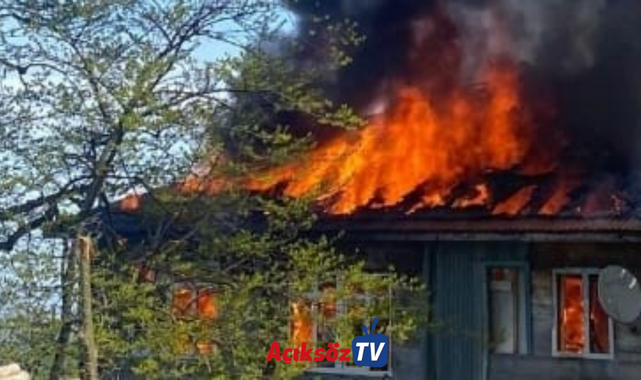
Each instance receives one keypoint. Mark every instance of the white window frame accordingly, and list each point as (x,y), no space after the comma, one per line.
(585,274)
(339,367)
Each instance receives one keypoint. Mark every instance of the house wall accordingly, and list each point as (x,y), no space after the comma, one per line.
(455,274)
(408,359)
(456,346)
(540,363)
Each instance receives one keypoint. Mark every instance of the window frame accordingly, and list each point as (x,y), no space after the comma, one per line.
(585,274)
(193,311)
(340,368)
(193,314)
(524,302)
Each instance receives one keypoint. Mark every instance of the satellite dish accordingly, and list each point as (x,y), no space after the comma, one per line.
(620,294)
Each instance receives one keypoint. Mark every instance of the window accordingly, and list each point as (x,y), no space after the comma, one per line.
(193,303)
(312,317)
(582,328)
(507,310)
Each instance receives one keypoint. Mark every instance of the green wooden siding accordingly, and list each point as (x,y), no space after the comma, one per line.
(456,274)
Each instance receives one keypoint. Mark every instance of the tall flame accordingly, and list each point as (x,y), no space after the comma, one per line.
(425,146)
(572,335)
(441,142)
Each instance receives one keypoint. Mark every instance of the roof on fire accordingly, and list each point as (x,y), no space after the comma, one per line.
(450,225)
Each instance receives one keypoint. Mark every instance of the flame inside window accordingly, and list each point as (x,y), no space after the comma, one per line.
(301,323)
(181,302)
(206,305)
(584,328)
(310,321)
(571,331)
(198,304)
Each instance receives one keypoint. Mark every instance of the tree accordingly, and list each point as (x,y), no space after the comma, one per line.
(258,283)
(29,286)
(106,97)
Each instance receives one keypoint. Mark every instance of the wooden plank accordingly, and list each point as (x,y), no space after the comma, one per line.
(509,367)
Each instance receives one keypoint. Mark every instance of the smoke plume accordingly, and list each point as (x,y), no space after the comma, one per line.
(585,55)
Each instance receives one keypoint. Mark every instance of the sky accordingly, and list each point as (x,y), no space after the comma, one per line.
(210,51)
(215,49)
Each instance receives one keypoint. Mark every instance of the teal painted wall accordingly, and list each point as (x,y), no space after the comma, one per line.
(455,273)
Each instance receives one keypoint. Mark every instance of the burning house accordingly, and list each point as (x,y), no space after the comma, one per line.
(501,161)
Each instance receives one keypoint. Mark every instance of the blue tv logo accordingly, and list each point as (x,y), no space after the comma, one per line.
(370,350)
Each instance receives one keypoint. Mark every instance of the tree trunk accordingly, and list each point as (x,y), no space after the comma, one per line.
(62,342)
(85,250)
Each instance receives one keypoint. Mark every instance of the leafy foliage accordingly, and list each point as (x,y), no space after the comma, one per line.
(256,286)
(101,98)
(29,317)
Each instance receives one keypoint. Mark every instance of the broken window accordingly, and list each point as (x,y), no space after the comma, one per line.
(582,327)
(507,314)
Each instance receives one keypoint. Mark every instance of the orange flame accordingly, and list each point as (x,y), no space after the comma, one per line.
(422,145)
(201,303)
(130,203)
(572,336)
(480,196)
(559,198)
(515,203)
(301,325)
(439,142)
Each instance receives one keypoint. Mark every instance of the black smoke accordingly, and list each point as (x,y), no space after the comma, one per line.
(584,54)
